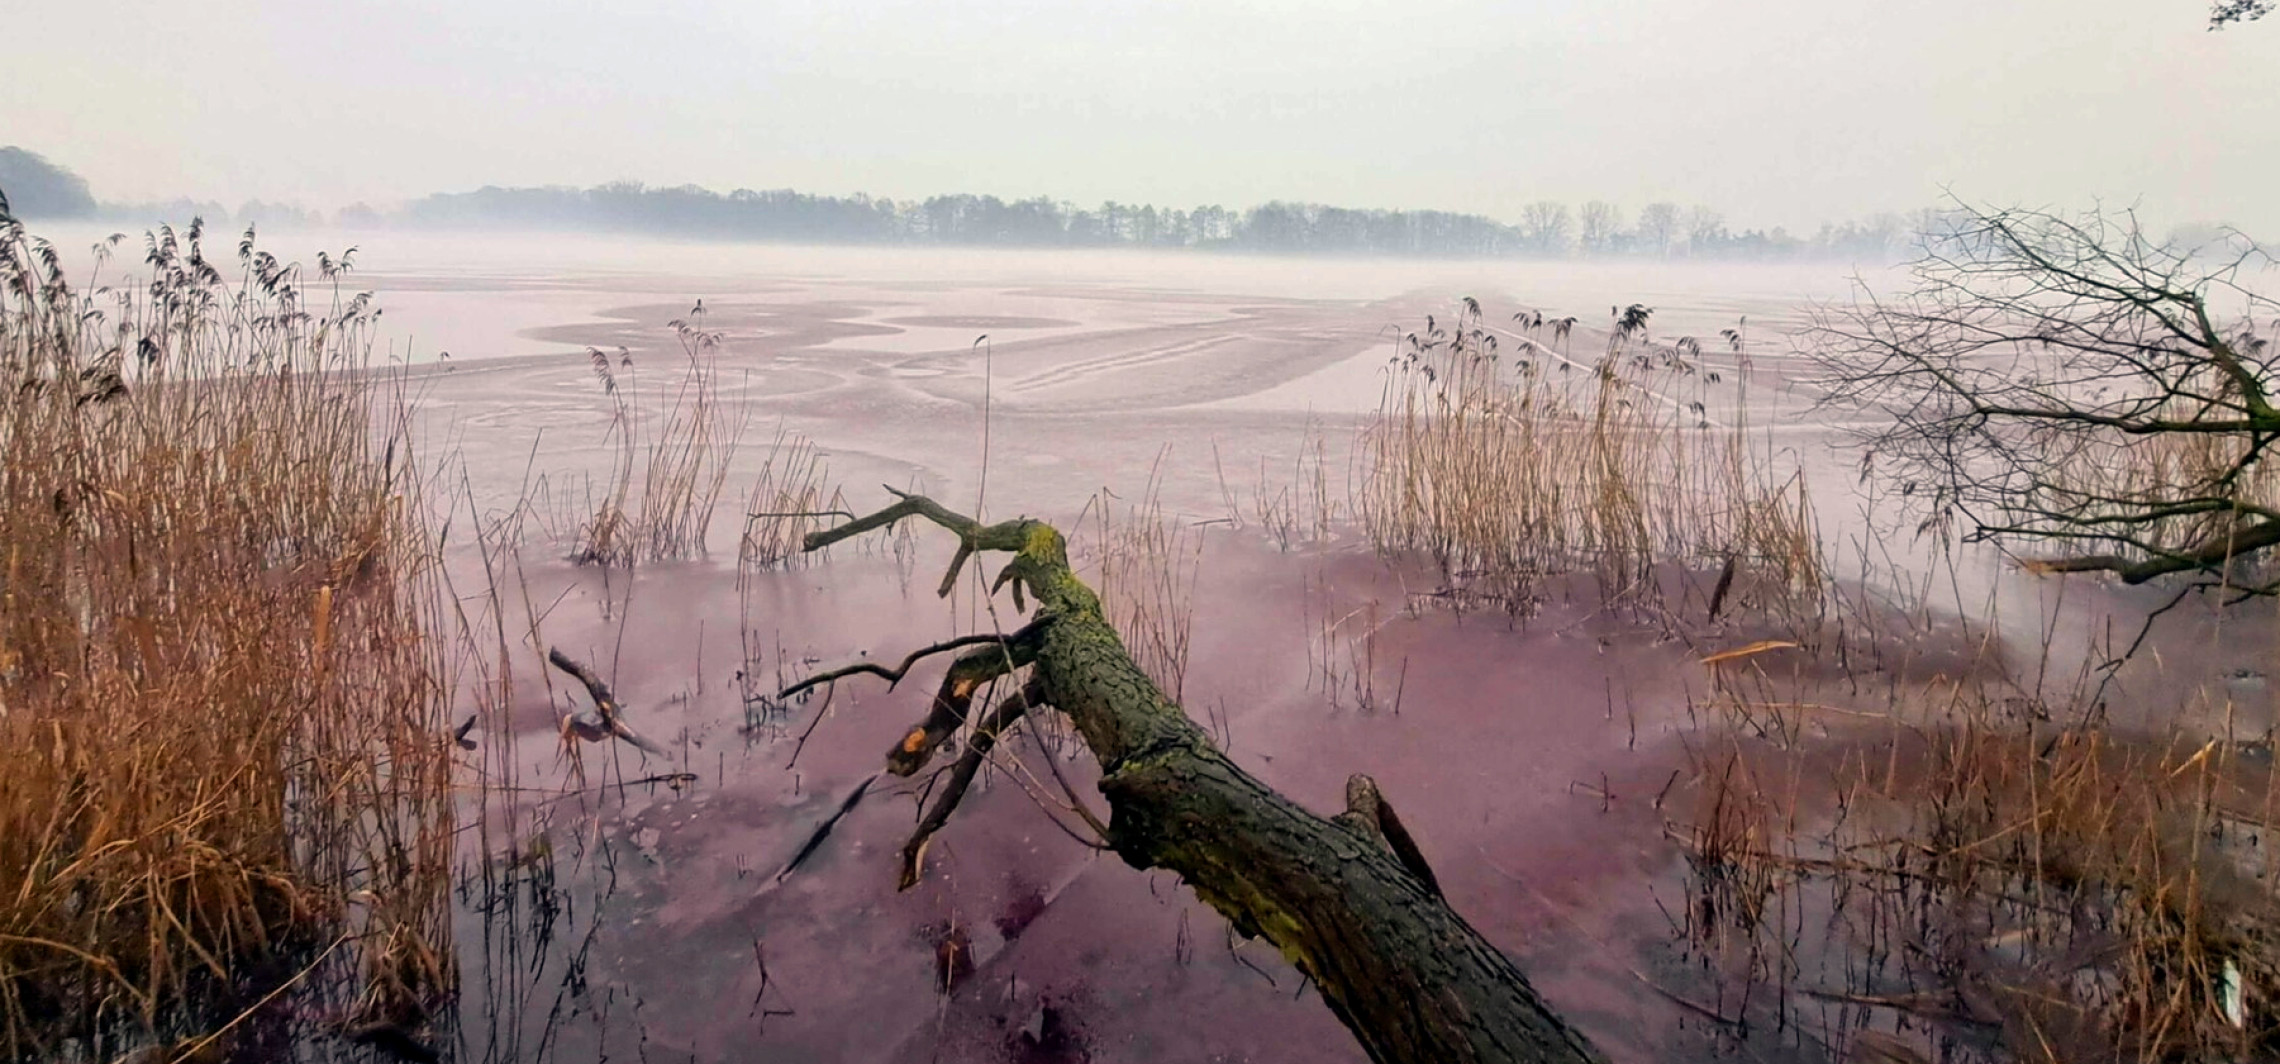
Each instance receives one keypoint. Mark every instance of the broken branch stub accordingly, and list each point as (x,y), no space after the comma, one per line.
(606,707)
(1349,901)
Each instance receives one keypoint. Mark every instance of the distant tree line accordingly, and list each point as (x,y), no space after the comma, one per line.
(37,188)
(1546,229)
(2225,12)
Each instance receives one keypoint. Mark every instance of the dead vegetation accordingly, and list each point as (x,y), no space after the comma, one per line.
(1148,562)
(791,496)
(220,735)
(1301,509)
(2064,386)
(1985,860)
(1957,871)
(665,478)
(1509,462)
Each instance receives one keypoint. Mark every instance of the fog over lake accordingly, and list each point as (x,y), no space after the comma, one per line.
(944,533)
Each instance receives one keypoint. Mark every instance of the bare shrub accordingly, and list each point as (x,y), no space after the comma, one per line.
(2064,386)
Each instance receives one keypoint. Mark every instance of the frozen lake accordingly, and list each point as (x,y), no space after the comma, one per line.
(657,924)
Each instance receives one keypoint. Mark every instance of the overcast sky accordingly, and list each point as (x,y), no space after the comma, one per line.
(1784,112)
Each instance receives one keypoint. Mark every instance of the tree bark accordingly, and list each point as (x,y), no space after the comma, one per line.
(1348,899)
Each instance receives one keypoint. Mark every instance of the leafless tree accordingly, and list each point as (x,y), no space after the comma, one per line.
(2062,384)
(1705,227)
(1599,226)
(1545,225)
(2225,12)
(1659,227)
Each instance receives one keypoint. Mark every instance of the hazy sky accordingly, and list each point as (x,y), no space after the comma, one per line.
(1777,111)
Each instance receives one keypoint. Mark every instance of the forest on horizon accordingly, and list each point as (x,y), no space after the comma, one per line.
(1545,229)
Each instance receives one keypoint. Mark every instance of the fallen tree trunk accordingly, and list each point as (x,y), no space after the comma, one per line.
(1349,900)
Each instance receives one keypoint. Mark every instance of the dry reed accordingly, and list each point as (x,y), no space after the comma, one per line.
(1986,883)
(791,496)
(1510,467)
(220,735)
(1148,564)
(684,470)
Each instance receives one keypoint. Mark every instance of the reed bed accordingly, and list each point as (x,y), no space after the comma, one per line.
(679,466)
(1509,463)
(1961,876)
(222,745)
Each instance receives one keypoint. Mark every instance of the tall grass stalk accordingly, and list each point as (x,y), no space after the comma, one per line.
(1510,467)
(679,467)
(221,740)
(1149,561)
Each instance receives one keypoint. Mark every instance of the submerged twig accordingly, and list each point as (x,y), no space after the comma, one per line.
(815,839)
(605,704)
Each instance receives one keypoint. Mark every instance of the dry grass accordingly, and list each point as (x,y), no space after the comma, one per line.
(2133,485)
(1302,509)
(1987,884)
(1342,649)
(679,466)
(1148,564)
(1510,463)
(220,735)
(791,497)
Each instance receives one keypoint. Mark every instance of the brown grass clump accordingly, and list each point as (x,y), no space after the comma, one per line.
(1986,884)
(1507,467)
(219,733)
(685,468)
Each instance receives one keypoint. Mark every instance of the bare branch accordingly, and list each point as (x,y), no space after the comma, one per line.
(2063,379)
(972,671)
(605,704)
(2208,555)
(894,676)
(962,774)
(973,536)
